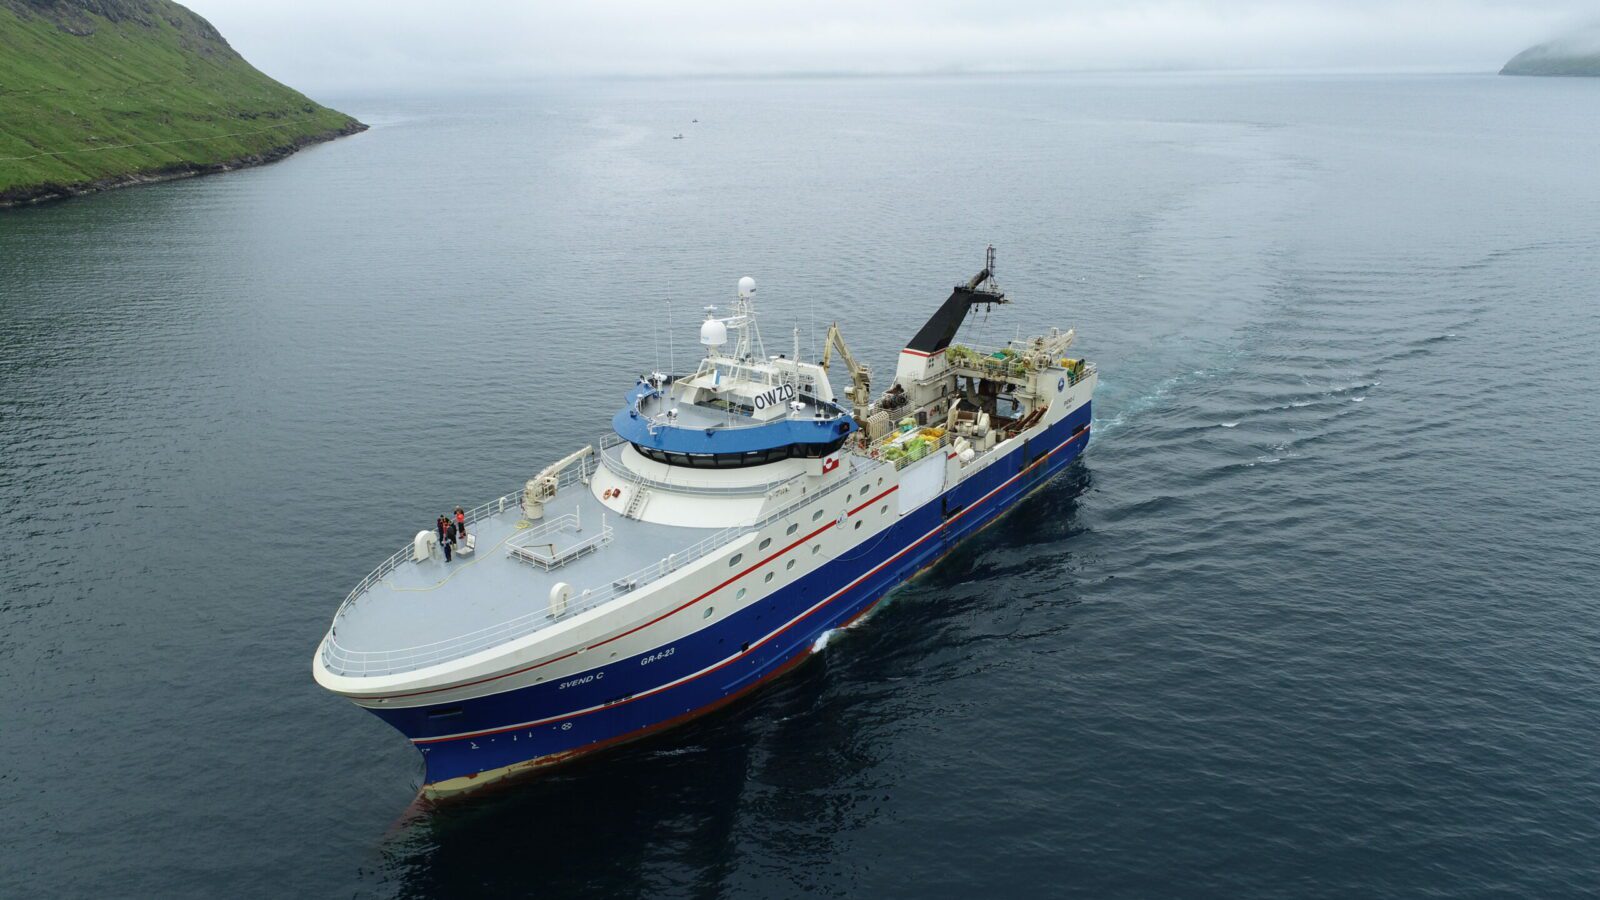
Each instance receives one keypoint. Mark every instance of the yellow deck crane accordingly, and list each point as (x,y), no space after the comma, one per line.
(860,390)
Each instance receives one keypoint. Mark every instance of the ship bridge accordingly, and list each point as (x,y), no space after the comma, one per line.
(739,408)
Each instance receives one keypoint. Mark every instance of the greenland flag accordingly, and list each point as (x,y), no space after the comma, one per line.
(829,464)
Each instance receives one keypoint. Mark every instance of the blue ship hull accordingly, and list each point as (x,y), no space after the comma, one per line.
(627,698)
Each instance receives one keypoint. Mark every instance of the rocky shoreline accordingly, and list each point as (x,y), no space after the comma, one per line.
(29,195)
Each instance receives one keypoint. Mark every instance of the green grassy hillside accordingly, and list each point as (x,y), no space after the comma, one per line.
(100,93)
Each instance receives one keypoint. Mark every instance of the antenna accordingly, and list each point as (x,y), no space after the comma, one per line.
(672,363)
(813,296)
(794,364)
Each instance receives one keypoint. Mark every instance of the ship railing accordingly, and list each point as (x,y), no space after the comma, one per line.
(386,662)
(611,457)
(672,562)
(537,546)
(930,446)
(570,475)
(405,659)
(1002,362)
(834,411)
(659,422)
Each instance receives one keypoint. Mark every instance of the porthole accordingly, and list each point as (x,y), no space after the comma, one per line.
(740,595)
(737,558)
(793,527)
(880,481)
(858,524)
(816,515)
(789,564)
(765,543)
(815,549)
(883,509)
(768,577)
(708,612)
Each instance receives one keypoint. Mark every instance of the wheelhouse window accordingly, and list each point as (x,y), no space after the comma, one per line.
(740,460)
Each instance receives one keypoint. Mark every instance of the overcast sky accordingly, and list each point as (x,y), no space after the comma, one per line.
(336,45)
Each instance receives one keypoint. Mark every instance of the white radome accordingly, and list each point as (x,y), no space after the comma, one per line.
(713,333)
(747,286)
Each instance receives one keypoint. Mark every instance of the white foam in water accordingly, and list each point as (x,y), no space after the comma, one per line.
(1357,399)
(1229,424)
(822,640)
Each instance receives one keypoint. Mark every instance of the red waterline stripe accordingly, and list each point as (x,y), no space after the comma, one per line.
(553,759)
(754,645)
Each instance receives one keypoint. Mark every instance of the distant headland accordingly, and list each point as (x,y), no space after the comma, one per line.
(1577,53)
(99,94)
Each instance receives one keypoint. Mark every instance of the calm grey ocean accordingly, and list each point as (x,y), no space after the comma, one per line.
(1315,615)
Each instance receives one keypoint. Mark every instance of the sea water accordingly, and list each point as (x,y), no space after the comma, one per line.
(1315,615)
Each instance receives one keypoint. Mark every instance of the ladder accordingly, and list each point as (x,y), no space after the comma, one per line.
(637,501)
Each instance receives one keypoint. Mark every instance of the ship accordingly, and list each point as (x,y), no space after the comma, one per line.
(731,519)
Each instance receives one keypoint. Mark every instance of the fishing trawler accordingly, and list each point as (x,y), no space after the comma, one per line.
(731,518)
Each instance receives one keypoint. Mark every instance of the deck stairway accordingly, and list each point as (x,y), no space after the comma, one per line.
(636,504)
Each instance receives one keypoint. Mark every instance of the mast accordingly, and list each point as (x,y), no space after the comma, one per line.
(743,323)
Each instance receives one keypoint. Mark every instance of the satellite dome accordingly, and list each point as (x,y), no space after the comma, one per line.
(713,333)
(747,286)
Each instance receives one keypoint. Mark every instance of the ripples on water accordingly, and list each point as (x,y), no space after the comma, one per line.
(1314,616)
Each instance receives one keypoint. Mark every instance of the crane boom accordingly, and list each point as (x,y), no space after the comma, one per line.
(860,375)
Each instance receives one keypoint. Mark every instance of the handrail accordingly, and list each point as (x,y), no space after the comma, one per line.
(838,413)
(522,548)
(619,468)
(384,662)
(981,359)
(568,522)
(585,468)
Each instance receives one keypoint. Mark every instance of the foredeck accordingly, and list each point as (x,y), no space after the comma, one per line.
(420,613)
(410,614)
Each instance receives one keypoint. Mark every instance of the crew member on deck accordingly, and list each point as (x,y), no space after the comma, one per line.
(461,524)
(449,540)
(439,524)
